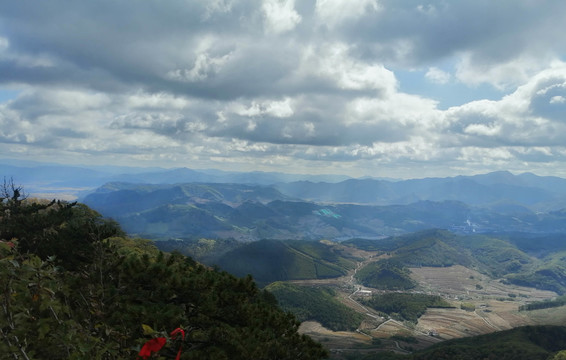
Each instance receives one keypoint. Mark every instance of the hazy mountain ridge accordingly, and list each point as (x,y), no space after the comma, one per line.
(489,191)
(78,181)
(253,212)
(501,191)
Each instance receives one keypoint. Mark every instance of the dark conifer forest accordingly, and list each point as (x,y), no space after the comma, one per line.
(74,286)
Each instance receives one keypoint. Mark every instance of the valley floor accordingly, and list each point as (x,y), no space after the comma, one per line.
(481,305)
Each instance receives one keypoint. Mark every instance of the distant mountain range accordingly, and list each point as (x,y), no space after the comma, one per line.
(179,203)
(253,212)
(76,181)
(501,191)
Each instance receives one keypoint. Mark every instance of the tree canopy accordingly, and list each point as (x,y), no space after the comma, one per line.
(74,286)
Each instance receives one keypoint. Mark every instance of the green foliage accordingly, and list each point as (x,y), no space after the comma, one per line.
(204,250)
(467,306)
(52,228)
(386,244)
(548,274)
(407,339)
(546,304)
(561,355)
(91,298)
(273,260)
(385,274)
(496,257)
(35,323)
(315,303)
(526,343)
(405,306)
(431,248)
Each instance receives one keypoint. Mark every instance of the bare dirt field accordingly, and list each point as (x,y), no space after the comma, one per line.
(480,305)
(461,283)
(491,305)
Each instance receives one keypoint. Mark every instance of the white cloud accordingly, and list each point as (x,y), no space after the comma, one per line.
(280,16)
(437,76)
(503,75)
(279,82)
(334,12)
(279,109)
(333,62)
(205,66)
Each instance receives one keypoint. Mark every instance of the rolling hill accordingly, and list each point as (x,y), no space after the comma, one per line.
(491,255)
(274,260)
(524,343)
(315,304)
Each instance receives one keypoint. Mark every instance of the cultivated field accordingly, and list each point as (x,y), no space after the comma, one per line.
(490,304)
(481,305)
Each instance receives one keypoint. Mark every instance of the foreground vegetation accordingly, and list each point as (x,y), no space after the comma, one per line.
(73,286)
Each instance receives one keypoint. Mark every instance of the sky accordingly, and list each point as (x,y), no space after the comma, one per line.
(385,88)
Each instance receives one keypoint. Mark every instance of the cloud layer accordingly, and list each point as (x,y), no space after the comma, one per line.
(296,86)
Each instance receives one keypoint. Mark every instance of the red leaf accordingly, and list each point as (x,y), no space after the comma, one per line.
(153,345)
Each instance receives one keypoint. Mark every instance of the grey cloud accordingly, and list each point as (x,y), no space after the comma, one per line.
(180,79)
(492,31)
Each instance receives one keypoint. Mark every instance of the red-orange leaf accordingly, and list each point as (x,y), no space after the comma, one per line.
(153,345)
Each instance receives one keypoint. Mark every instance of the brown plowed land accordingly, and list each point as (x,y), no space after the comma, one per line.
(496,304)
(496,308)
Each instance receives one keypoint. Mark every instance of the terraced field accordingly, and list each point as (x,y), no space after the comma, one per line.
(492,306)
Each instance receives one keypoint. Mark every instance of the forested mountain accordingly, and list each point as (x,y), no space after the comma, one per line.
(315,303)
(500,191)
(74,287)
(249,212)
(275,260)
(498,257)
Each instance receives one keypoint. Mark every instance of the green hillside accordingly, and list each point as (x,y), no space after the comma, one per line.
(524,343)
(203,250)
(549,273)
(274,260)
(492,255)
(74,287)
(315,303)
(386,275)
(405,306)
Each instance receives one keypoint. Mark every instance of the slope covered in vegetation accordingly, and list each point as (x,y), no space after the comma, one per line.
(497,256)
(273,260)
(315,303)
(385,275)
(73,286)
(525,343)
